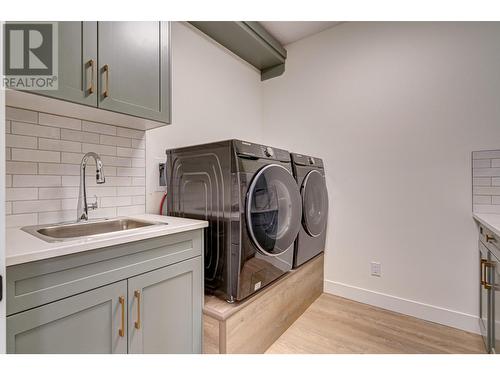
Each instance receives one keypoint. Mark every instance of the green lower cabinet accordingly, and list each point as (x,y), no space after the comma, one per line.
(157,312)
(165,310)
(89,322)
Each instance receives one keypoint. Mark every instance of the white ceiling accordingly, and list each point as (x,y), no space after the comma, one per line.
(291,31)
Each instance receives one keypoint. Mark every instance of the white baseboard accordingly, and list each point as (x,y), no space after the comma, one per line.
(419,310)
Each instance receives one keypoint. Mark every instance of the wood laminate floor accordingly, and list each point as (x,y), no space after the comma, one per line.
(338,325)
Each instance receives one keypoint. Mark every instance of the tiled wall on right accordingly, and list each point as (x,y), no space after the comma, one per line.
(486,181)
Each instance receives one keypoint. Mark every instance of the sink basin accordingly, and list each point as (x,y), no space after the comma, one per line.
(71,231)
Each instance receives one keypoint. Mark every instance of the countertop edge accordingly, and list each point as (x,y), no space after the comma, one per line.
(487,223)
(78,247)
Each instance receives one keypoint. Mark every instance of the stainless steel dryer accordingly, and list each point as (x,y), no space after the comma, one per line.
(248,195)
(310,175)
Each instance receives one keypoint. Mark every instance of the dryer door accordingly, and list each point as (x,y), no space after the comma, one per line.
(314,203)
(273,210)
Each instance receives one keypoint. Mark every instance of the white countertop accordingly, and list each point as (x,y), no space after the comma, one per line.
(490,221)
(22,247)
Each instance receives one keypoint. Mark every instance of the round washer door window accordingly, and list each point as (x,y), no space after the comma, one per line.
(273,210)
(314,203)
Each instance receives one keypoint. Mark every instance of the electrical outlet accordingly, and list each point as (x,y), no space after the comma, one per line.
(376,269)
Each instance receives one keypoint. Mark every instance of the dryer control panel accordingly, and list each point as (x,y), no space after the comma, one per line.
(256,151)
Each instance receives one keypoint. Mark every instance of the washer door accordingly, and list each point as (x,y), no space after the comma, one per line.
(314,203)
(273,210)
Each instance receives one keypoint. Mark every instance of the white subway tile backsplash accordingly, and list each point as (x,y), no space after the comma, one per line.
(21,167)
(138,181)
(99,149)
(486,181)
(59,121)
(129,133)
(481,181)
(130,190)
(132,172)
(118,181)
(79,136)
(481,199)
(130,152)
(138,163)
(56,216)
(59,169)
(44,153)
(115,141)
(101,191)
(22,207)
(59,145)
(116,201)
(487,208)
(101,213)
(55,193)
(131,210)
(481,163)
(35,130)
(495,154)
(96,127)
(21,141)
(21,194)
(138,199)
(18,114)
(139,143)
(486,190)
(70,204)
(74,158)
(35,155)
(116,161)
(486,172)
(22,220)
(35,181)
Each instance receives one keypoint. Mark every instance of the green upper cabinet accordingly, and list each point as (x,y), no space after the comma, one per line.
(134,68)
(122,67)
(77,63)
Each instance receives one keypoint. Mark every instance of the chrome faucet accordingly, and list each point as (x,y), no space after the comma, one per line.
(82,209)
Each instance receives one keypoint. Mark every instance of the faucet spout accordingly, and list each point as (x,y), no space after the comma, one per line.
(82,206)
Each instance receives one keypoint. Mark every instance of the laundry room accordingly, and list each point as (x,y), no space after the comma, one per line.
(233,183)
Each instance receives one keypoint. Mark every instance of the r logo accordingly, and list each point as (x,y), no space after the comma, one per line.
(29,49)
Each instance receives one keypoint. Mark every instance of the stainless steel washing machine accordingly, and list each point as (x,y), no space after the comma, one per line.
(310,175)
(250,198)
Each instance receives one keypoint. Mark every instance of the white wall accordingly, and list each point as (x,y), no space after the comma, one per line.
(215,96)
(395,110)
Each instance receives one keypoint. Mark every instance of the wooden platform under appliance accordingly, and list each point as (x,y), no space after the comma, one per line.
(253,325)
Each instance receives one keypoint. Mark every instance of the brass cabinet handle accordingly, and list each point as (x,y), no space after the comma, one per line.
(121,331)
(137,323)
(91,64)
(490,239)
(484,267)
(105,69)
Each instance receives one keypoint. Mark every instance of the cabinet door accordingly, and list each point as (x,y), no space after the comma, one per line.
(134,68)
(484,297)
(86,323)
(165,308)
(77,63)
(495,313)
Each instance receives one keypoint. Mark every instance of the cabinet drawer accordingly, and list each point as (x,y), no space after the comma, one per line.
(490,240)
(33,284)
